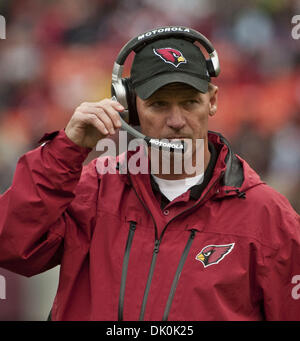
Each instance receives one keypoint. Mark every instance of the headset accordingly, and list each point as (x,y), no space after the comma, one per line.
(123,92)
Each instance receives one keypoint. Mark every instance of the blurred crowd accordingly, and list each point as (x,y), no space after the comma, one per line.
(58,53)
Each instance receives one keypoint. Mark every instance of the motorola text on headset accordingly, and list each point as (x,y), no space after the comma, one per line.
(121,88)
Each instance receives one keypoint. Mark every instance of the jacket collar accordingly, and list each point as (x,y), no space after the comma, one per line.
(229,168)
(234,173)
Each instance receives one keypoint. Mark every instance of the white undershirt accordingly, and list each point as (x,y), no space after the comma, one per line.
(173,188)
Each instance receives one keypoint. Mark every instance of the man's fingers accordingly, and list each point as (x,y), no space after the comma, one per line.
(97,123)
(108,114)
(106,102)
(102,115)
(92,121)
(114,115)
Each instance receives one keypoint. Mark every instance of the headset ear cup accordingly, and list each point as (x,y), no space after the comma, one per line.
(210,68)
(119,92)
(113,91)
(131,101)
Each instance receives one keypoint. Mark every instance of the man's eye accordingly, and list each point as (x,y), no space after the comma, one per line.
(191,101)
(158,104)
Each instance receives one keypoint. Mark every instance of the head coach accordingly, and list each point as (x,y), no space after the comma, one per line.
(217,244)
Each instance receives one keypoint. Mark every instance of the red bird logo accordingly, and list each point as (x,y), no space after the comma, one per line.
(213,254)
(170,56)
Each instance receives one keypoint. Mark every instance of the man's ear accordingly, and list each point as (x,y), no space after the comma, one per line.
(213,101)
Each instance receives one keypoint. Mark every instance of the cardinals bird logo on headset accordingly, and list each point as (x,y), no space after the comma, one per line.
(213,254)
(170,56)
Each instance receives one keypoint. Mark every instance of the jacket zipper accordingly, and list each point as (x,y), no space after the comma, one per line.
(132,228)
(154,256)
(150,275)
(177,275)
(156,250)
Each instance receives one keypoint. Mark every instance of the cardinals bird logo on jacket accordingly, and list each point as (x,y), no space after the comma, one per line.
(170,56)
(213,254)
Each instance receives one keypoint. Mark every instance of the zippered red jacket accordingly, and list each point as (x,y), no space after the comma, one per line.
(234,254)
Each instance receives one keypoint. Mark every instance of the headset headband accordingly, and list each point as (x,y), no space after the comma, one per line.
(165,32)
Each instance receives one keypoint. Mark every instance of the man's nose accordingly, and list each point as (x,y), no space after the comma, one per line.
(175,118)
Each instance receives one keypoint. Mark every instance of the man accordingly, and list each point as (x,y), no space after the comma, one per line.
(215,246)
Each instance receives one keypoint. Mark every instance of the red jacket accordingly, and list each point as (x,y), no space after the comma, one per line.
(234,254)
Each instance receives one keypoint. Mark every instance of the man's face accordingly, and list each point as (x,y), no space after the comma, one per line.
(177,111)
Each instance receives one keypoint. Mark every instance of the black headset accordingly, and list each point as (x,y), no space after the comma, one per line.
(122,90)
